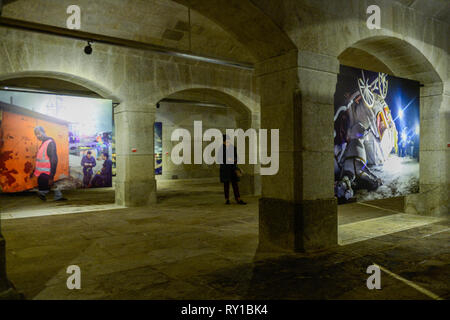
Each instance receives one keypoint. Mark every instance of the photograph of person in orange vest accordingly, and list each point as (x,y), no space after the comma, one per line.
(46,164)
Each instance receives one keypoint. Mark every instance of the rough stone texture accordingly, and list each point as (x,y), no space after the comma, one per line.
(176,116)
(192,246)
(4,285)
(434,154)
(356,58)
(7,290)
(296,44)
(310,225)
(3,281)
(235,115)
(409,45)
(329,27)
(136,184)
(303,111)
(163,23)
(263,39)
(125,76)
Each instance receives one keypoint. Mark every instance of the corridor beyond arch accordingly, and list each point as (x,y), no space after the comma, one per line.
(215,109)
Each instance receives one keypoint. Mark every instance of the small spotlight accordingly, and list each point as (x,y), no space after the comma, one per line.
(417,129)
(88,48)
(400,113)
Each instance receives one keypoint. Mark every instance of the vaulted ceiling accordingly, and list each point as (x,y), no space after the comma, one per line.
(158,22)
(437,9)
(240,30)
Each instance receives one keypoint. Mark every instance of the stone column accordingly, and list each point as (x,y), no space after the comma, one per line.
(250,182)
(444,116)
(257,187)
(432,198)
(135,182)
(7,290)
(298,211)
(3,279)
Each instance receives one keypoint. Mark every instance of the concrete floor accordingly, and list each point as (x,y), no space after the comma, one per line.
(191,246)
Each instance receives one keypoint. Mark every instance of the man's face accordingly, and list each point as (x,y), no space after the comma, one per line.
(103,157)
(89,155)
(39,135)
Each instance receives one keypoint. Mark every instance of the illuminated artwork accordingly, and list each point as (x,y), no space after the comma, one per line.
(82,129)
(158,148)
(376,136)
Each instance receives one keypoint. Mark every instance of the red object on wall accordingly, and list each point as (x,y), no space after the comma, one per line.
(19,146)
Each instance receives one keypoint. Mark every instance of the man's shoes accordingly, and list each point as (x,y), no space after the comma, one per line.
(241,202)
(42,197)
(227,202)
(61,199)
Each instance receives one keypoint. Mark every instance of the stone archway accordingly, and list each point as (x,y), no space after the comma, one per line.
(245,116)
(57,83)
(6,288)
(297,81)
(65,77)
(297,96)
(129,77)
(246,22)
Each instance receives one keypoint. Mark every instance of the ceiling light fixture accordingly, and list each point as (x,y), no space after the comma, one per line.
(88,48)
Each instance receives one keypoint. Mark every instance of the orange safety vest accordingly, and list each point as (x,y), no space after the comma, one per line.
(42,160)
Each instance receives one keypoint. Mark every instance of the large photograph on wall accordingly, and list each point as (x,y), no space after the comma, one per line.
(158,147)
(80,127)
(376,136)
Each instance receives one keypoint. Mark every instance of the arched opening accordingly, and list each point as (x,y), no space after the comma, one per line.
(78,116)
(198,110)
(389,213)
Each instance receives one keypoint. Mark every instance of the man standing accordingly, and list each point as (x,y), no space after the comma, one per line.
(228,170)
(46,164)
(88,162)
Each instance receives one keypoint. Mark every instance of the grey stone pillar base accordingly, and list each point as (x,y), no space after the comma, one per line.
(431,201)
(11,294)
(307,226)
(136,194)
(7,290)
(247,184)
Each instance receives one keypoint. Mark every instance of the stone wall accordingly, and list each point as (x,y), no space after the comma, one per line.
(162,23)
(297,90)
(410,45)
(136,79)
(297,44)
(3,281)
(174,116)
